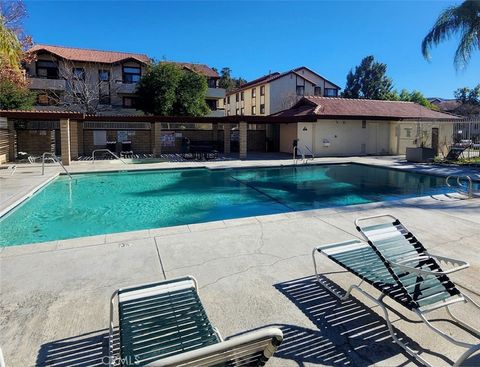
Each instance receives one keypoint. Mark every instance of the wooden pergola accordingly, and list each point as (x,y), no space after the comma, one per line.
(68,126)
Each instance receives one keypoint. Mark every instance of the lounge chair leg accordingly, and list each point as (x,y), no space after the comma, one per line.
(380,303)
(467,354)
(465,325)
(340,296)
(472,348)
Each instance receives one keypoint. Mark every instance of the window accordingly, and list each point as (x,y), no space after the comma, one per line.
(104,98)
(78,73)
(242,111)
(212,83)
(236,111)
(364,124)
(262,109)
(331,92)
(408,132)
(47,69)
(242,96)
(254,110)
(237,96)
(104,75)
(262,90)
(228,99)
(212,104)
(254,92)
(131,74)
(129,102)
(300,90)
(317,91)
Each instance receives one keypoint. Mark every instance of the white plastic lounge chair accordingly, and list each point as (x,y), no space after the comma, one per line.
(398,265)
(165,324)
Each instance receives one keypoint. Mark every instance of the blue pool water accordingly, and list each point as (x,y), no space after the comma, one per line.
(102,203)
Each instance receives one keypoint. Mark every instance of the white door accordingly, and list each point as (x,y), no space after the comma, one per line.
(305,138)
(372,140)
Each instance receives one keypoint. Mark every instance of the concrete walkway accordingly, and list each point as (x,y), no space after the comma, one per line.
(54,301)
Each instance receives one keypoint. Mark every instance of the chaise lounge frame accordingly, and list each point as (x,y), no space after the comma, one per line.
(401,265)
(168,316)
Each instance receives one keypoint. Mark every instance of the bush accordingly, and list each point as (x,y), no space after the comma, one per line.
(14,97)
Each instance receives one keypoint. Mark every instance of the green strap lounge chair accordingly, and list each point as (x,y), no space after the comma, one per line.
(395,262)
(165,324)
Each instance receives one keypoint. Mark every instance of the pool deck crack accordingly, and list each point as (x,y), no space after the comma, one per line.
(160,258)
(250,268)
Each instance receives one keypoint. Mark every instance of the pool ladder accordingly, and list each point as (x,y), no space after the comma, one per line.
(55,159)
(304,159)
(107,151)
(464,189)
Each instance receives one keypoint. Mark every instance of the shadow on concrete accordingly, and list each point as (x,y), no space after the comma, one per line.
(349,332)
(84,350)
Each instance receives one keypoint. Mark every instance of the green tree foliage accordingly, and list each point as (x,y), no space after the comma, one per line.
(369,81)
(228,82)
(13,41)
(168,90)
(468,95)
(417,97)
(462,20)
(14,97)
(191,92)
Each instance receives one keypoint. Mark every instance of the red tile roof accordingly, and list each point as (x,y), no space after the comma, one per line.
(198,68)
(87,55)
(329,107)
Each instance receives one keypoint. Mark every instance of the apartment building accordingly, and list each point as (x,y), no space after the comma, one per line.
(277,91)
(98,81)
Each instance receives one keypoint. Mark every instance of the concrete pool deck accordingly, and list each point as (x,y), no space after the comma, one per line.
(54,303)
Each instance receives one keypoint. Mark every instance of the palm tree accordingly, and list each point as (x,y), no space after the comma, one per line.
(10,47)
(463,19)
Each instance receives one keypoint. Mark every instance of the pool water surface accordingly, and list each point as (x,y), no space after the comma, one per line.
(100,203)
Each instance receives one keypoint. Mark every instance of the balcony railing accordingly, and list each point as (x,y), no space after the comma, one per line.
(125,88)
(47,84)
(215,93)
(217,113)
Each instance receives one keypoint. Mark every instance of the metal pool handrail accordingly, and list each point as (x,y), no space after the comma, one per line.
(55,158)
(468,190)
(107,151)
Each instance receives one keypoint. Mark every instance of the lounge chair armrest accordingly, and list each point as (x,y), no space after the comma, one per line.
(244,346)
(458,265)
(411,269)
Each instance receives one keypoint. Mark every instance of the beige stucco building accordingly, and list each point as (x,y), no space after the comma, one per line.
(277,91)
(99,81)
(350,127)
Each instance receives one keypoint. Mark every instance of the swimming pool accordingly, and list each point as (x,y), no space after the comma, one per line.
(99,203)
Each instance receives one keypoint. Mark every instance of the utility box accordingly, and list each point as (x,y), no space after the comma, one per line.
(420,155)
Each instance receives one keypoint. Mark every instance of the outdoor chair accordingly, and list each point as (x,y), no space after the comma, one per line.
(112,146)
(396,263)
(165,324)
(126,148)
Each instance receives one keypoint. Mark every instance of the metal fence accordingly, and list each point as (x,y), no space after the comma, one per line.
(466,138)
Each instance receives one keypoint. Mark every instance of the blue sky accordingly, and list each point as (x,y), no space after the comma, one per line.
(253,38)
